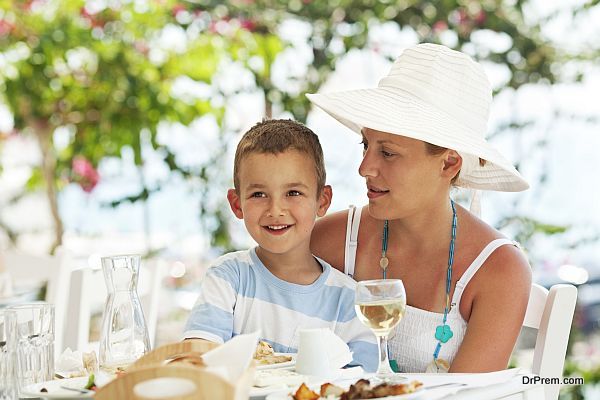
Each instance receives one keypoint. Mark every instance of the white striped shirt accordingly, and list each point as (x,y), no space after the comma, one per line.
(240,295)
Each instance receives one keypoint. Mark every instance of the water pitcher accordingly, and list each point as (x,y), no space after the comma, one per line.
(124,336)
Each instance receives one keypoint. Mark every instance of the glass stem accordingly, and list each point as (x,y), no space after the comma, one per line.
(384,362)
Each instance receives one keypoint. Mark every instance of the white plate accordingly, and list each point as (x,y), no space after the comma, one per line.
(56,392)
(286,364)
(278,380)
(287,394)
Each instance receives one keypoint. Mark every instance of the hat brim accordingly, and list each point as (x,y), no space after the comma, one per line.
(400,113)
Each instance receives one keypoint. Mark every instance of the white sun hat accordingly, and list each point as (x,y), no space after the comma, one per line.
(437,95)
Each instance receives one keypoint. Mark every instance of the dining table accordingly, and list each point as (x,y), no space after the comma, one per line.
(477,388)
(512,389)
(505,385)
(279,380)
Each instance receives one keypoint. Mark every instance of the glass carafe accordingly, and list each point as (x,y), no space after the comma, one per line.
(124,336)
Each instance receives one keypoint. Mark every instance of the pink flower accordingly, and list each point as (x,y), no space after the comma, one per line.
(480,17)
(177,9)
(247,24)
(84,174)
(5,27)
(439,26)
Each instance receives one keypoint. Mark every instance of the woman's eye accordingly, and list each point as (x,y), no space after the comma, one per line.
(258,194)
(386,154)
(365,145)
(294,193)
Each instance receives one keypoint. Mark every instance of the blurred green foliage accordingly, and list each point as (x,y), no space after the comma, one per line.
(590,376)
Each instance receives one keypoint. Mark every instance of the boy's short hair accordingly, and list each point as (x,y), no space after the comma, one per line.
(275,136)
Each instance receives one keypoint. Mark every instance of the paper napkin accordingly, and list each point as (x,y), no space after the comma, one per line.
(69,362)
(231,359)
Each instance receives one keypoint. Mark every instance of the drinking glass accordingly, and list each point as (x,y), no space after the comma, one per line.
(7,376)
(380,305)
(124,336)
(31,340)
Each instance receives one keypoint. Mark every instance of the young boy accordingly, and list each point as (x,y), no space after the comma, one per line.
(279,287)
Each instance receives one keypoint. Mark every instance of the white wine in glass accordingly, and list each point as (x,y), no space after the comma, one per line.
(380,305)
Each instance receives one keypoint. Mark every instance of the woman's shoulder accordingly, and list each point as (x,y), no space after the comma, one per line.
(507,265)
(503,279)
(328,238)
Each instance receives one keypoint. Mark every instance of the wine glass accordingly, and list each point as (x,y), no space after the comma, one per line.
(380,305)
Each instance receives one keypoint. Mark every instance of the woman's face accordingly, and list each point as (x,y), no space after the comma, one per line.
(401,176)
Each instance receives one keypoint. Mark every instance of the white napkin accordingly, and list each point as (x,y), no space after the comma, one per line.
(69,362)
(337,350)
(231,359)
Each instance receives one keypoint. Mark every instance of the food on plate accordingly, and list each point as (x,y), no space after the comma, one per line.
(304,393)
(265,355)
(191,358)
(75,364)
(91,383)
(329,389)
(90,362)
(360,390)
(263,349)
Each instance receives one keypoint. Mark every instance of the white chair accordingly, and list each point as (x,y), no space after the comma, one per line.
(31,270)
(88,294)
(551,313)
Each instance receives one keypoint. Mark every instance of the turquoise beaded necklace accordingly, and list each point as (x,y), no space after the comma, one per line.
(443,333)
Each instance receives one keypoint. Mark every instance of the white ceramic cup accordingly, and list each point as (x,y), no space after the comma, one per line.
(313,358)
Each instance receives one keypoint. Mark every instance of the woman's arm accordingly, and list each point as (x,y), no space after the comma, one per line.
(328,238)
(497,312)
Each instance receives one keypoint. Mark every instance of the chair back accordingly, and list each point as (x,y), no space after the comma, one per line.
(30,269)
(551,313)
(88,294)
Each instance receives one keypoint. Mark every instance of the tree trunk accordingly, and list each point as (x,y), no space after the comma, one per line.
(268,109)
(44,135)
(146,211)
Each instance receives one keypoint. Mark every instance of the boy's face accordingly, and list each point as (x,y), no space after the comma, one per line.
(278,200)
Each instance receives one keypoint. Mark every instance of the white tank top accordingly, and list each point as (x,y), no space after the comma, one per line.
(413,341)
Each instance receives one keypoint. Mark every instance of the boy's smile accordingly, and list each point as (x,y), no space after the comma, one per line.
(279,201)
(277,229)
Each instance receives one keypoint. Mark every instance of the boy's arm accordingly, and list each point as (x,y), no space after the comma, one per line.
(212,316)
(363,345)
(360,339)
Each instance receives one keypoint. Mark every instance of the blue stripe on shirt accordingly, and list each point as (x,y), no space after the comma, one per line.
(362,354)
(240,295)
(262,289)
(211,319)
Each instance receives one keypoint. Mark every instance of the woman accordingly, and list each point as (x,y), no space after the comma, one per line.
(422,132)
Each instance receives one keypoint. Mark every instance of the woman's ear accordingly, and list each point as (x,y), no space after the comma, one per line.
(234,202)
(324,200)
(452,164)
